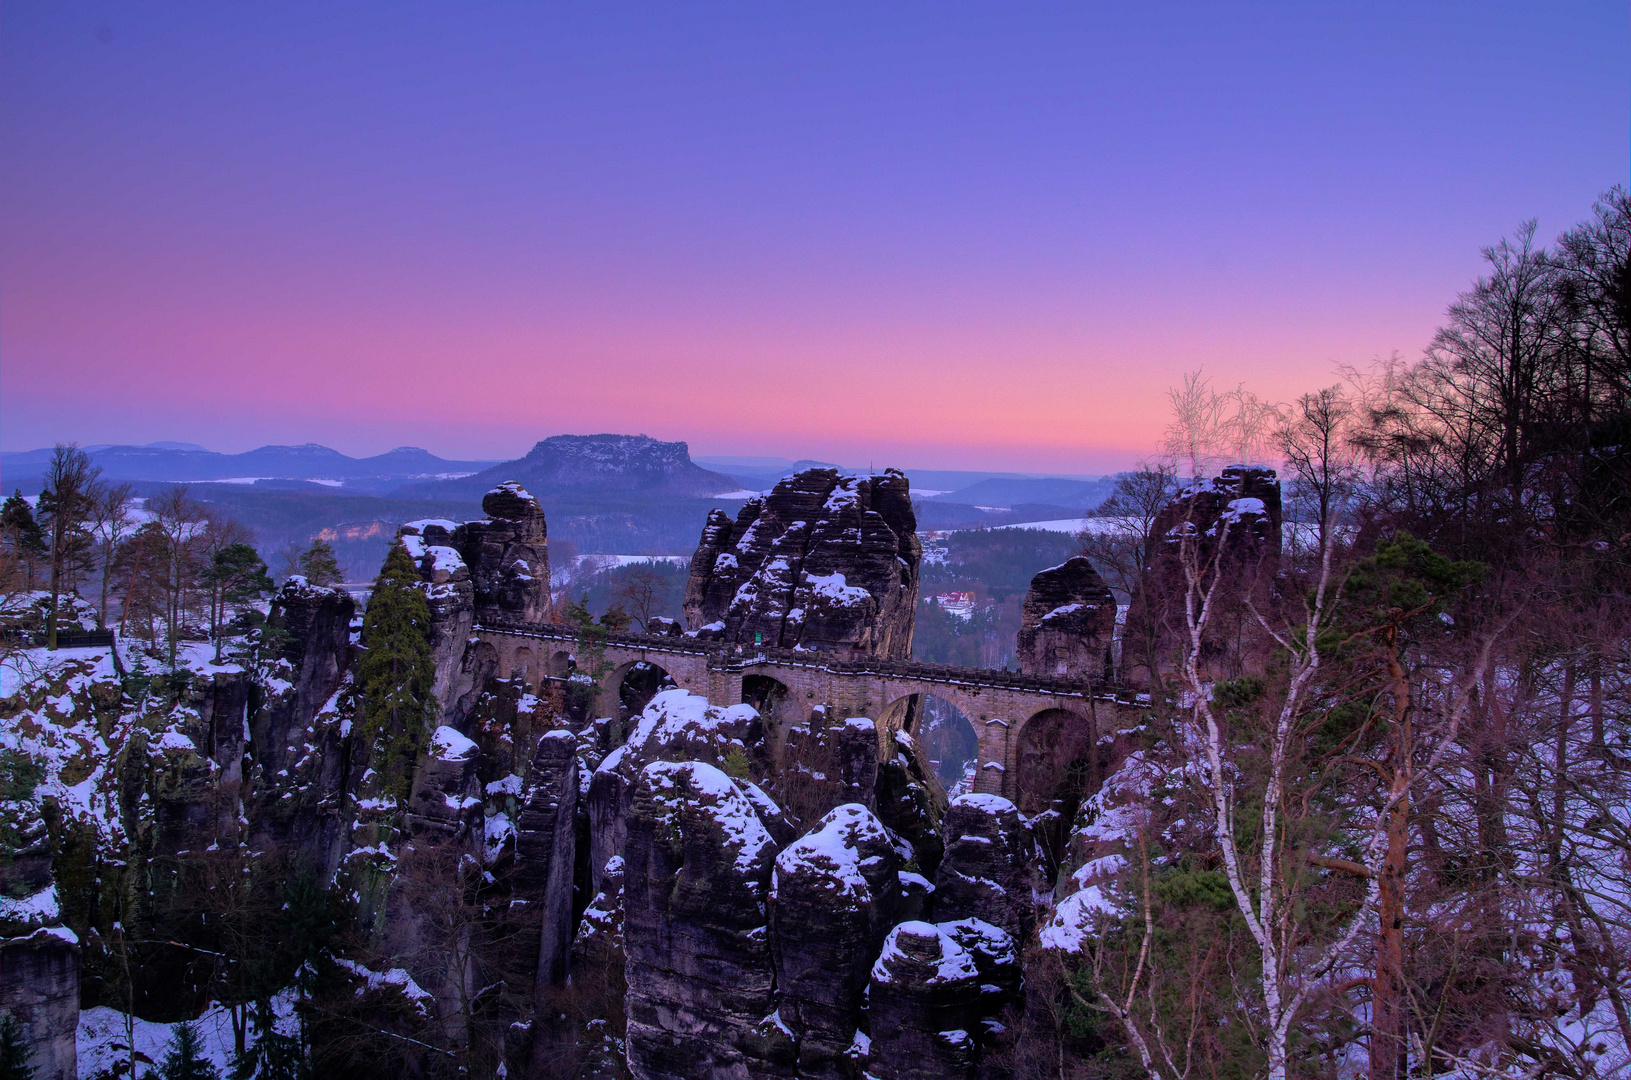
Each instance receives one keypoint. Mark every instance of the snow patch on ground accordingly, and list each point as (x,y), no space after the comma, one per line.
(101,1029)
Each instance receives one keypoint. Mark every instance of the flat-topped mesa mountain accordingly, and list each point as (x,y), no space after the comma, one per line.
(635,464)
(825,561)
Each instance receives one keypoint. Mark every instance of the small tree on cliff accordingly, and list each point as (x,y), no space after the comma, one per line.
(320,566)
(396,673)
(71,489)
(235,575)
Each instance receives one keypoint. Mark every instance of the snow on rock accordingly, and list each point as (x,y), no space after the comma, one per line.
(394,979)
(931,953)
(834,589)
(38,907)
(1073,922)
(835,848)
(448,744)
(174,740)
(708,792)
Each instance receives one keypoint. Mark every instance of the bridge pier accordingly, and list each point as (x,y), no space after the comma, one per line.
(996,757)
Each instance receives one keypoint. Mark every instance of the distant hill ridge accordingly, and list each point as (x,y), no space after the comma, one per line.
(166,463)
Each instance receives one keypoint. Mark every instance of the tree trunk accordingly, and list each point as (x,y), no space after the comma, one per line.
(1387,1044)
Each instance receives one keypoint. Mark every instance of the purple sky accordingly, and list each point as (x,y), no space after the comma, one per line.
(932,235)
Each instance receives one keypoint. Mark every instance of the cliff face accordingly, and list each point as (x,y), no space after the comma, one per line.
(1230,525)
(823,562)
(39,986)
(508,556)
(1067,622)
(296,759)
(701,988)
(494,570)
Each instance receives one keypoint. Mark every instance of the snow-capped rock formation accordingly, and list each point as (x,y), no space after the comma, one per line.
(986,870)
(824,561)
(1067,622)
(836,892)
(924,1001)
(701,983)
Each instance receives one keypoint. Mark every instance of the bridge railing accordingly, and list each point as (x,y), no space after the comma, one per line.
(734,657)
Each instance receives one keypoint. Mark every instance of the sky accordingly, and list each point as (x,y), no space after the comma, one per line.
(944,235)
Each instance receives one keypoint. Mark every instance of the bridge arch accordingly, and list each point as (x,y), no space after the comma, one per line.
(629,687)
(775,702)
(1057,763)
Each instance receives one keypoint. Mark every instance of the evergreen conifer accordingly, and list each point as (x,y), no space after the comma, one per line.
(184,1058)
(320,566)
(235,576)
(23,539)
(15,1056)
(396,674)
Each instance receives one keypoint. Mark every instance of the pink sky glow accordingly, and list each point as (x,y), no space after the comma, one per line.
(984,238)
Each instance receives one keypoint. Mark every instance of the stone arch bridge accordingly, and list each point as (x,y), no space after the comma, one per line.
(1023,723)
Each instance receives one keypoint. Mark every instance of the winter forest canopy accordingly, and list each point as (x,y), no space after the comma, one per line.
(1355,800)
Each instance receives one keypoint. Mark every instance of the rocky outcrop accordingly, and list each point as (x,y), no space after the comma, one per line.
(986,870)
(824,561)
(597,977)
(1230,526)
(39,986)
(911,802)
(452,597)
(697,864)
(315,625)
(508,557)
(827,763)
(925,1002)
(546,849)
(445,803)
(494,570)
(1067,622)
(296,747)
(1246,498)
(678,725)
(836,892)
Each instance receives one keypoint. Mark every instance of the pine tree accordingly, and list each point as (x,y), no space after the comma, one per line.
(15,1055)
(24,542)
(396,674)
(320,566)
(235,576)
(184,1057)
(71,489)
